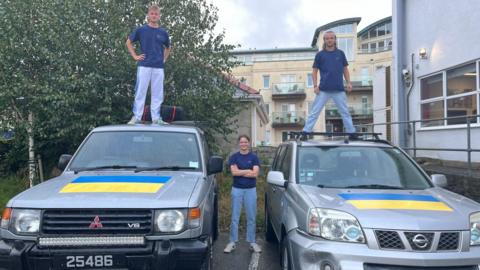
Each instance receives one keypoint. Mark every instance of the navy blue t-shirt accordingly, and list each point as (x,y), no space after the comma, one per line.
(331,64)
(244,162)
(152,43)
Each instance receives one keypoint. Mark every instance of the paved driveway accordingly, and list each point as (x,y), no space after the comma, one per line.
(242,258)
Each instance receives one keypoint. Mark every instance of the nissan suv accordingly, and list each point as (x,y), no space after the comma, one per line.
(340,204)
(131,197)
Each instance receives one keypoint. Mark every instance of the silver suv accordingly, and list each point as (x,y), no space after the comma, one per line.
(365,205)
(132,197)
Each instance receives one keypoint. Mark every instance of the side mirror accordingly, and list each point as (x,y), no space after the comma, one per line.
(439,180)
(63,161)
(215,165)
(276,178)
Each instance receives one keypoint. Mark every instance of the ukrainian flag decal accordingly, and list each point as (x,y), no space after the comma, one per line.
(395,201)
(123,183)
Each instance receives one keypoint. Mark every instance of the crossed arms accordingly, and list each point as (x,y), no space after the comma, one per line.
(253,173)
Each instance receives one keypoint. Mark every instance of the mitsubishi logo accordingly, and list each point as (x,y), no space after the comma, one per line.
(420,240)
(96,223)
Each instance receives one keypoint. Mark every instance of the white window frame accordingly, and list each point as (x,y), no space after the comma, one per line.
(268,84)
(445,97)
(310,85)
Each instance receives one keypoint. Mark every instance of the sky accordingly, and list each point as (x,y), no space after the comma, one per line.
(262,24)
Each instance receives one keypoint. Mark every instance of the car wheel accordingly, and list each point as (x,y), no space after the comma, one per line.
(208,262)
(215,220)
(285,261)
(269,233)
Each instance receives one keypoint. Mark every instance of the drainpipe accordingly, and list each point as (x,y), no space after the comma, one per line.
(398,53)
(411,83)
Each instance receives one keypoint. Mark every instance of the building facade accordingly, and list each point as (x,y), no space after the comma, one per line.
(436,75)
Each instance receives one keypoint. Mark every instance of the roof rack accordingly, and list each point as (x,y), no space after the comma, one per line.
(363,136)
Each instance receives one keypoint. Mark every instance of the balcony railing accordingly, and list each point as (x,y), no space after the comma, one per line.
(361,81)
(290,88)
(331,111)
(288,119)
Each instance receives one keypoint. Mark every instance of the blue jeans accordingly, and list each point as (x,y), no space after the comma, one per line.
(247,197)
(340,99)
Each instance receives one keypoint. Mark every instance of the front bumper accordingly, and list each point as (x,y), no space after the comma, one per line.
(163,254)
(311,253)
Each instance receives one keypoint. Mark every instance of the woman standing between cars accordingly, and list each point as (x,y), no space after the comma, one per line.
(245,167)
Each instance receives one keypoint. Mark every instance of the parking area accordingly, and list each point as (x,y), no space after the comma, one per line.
(242,258)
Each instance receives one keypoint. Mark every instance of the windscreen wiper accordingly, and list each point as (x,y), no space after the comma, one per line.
(103,167)
(165,168)
(375,186)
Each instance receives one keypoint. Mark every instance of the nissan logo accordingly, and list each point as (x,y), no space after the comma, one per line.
(420,241)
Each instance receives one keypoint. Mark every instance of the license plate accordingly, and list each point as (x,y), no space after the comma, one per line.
(89,261)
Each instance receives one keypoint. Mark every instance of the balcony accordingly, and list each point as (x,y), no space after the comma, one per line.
(361,82)
(357,112)
(288,119)
(292,90)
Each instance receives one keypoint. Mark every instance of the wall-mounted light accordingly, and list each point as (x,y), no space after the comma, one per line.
(423,53)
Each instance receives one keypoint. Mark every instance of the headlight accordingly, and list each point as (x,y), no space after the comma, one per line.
(475,229)
(169,221)
(334,225)
(24,221)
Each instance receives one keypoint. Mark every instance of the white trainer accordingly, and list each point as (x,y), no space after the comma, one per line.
(255,248)
(133,121)
(230,247)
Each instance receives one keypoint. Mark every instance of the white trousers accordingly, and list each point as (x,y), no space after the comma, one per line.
(145,77)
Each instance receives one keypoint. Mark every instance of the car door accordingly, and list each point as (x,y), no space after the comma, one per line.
(272,204)
(278,193)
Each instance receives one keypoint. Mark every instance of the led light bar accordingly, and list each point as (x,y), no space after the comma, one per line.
(92,241)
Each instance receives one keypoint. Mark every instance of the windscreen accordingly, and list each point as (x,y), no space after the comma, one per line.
(139,150)
(358,167)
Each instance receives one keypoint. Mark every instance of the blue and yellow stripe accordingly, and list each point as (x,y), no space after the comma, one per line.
(395,201)
(115,184)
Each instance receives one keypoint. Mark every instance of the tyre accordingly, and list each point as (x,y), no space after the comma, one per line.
(215,220)
(285,254)
(208,263)
(269,233)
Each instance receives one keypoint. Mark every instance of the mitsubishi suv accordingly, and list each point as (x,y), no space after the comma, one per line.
(364,204)
(131,197)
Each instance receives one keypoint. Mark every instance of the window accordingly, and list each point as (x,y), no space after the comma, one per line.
(373,33)
(461,80)
(381,45)
(373,47)
(267,108)
(342,29)
(309,105)
(286,163)
(309,80)
(346,45)
(266,81)
(388,27)
(451,93)
(288,78)
(381,30)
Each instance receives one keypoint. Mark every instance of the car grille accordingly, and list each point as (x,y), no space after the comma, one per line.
(418,241)
(97,221)
(389,240)
(413,237)
(448,241)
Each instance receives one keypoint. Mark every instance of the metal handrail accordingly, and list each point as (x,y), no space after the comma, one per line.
(468,123)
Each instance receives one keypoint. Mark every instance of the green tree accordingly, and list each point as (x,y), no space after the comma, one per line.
(66,62)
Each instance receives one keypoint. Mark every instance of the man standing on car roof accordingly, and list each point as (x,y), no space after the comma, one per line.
(155,46)
(333,66)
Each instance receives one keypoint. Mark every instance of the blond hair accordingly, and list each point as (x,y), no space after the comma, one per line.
(154,7)
(329,32)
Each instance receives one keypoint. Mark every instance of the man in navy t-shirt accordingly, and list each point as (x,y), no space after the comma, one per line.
(245,167)
(155,47)
(333,66)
